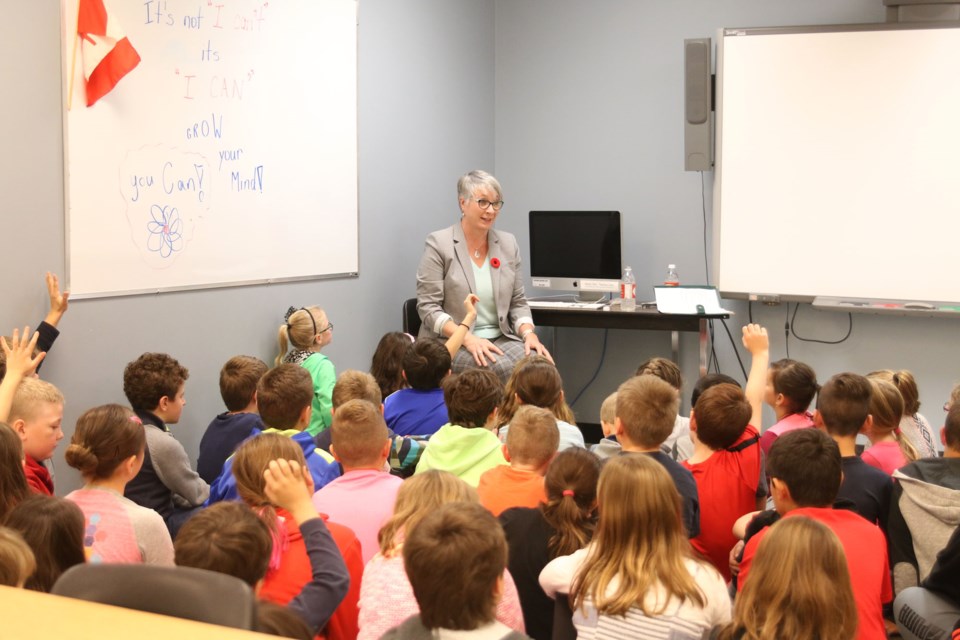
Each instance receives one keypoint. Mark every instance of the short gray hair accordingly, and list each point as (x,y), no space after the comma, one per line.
(470,182)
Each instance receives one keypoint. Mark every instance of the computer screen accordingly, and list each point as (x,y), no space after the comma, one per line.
(575,250)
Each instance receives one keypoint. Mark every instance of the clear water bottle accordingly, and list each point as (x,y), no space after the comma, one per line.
(628,291)
(673,278)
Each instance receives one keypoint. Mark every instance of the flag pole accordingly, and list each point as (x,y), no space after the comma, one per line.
(73,60)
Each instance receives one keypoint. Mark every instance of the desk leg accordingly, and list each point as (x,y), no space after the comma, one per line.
(703,348)
(675,346)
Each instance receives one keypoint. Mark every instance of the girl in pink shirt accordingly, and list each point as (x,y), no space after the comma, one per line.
(889,450)
(790,388)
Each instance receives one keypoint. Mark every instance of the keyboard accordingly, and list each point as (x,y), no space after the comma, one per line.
(561,304)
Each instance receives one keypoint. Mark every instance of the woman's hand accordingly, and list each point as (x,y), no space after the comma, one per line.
(482,350)
(531,343)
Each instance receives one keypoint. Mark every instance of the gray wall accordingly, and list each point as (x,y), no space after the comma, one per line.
(589,114)
(573,104)
(426,116)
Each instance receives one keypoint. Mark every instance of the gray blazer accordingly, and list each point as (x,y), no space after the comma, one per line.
(445,277)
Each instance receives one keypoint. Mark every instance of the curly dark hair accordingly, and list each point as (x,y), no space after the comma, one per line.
(151,377)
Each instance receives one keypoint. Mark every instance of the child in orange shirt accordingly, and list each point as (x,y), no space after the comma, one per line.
(532,443)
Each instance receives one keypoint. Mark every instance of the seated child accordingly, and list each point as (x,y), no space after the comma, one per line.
(934,607)
(678,444)
(913,424)
(361,446)
(290,568)
(53,528)
(925,508)
(646,412)
(230,538)
(405,452)
(805,473)
(35,415)
(560,525)
(107,448)
(727,467)
(466,447)
(308,330)
(386,366)
(790,388)
(888,450)
(153,384)
(843,411)
(455,559)
(238,388)
(386,598)
(536,381)
(419,410)
(13,481)
(531,445)
(284,399)
(608,446)
(17,563)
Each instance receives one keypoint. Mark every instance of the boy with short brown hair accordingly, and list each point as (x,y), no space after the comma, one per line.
(532,443)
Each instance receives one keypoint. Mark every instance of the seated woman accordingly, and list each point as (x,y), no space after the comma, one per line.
(472,257)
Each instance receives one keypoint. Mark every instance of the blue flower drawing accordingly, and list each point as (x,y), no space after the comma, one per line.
(165,229)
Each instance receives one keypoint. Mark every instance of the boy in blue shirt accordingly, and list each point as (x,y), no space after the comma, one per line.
(420,410)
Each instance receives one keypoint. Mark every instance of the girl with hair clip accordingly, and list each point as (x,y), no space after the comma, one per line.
(53,527)
(308,330)
(889,450)
(912,423)
(799,587)
(790,389)
(107,448)
(558,527)
(536,381)
(13,480)
(386,597)
(290,568)
(638,581)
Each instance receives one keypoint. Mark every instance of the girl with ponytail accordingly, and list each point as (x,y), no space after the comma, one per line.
(558,527)
(107,449)
(889,450)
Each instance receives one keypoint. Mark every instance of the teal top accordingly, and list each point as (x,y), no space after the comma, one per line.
(487,325)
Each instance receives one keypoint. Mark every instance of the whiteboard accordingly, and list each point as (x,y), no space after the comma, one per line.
(838,157)
(228,156)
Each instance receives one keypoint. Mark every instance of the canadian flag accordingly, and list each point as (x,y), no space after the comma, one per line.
(107,53)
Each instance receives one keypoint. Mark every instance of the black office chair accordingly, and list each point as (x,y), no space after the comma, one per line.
(411,319)
(181,592)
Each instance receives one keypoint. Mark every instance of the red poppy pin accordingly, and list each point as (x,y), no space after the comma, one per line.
(495,263)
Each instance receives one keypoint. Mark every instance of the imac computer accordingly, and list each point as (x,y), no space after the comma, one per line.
(576,251)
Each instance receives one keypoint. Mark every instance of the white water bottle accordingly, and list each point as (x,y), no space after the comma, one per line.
(628,291)
(673,278)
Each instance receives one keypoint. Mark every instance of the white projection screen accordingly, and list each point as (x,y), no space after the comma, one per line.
(838,162)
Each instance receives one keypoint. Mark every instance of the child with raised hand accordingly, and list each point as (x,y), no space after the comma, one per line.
(790,388)
(888,449)
(308,330)
(536,381)
(560,525)
(799,588)
(53,528)
(913,424)
(638,581)
(107,448)
(531,445)
(290,566)
(17,563)
(386,597)
(19,362)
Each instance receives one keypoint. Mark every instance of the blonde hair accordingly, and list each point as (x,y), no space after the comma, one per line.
(799,587)
(886,407)
(417,497)
(904,381)
(28,397)
(608,410)
(536,381)
(300,330)
(17,562)
(533,437)
(955,394)
(640,544)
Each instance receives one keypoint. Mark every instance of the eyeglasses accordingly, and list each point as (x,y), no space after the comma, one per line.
(329,327)
(483,203)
